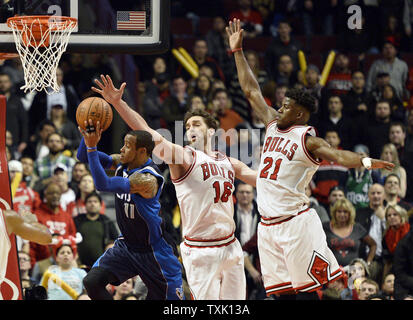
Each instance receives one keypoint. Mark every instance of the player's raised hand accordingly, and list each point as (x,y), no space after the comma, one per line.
(381,164)
(108,91)
(92,135)
(235,34)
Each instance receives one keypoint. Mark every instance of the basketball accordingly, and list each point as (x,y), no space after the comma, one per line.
(96,109)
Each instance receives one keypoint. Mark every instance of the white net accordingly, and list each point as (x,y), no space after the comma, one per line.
(40,42)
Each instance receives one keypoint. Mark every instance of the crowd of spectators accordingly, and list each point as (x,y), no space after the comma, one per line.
(365,106)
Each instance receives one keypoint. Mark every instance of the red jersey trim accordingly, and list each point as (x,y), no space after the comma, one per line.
(216,158)
(269,124)
(204,243)
(315,286)
(290,128)
(210,240)
(268,223)
(216,246)
(186,174)
(307,153)
(287,287)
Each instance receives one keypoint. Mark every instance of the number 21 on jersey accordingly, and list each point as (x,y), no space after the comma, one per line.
(269,161)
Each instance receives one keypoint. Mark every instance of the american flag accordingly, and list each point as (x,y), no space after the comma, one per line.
(131,20)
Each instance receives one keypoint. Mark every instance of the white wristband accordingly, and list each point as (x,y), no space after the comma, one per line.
(366,163)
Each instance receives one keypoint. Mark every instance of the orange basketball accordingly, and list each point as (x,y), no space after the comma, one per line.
(94,108)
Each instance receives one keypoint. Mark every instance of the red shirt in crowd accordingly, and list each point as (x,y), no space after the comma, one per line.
(25,199)
(60,223)
(253,17)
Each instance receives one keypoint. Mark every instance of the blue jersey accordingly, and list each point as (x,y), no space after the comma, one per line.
(138,218)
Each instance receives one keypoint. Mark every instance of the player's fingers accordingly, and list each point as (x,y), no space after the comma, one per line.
(238,25)
(231,27)
(104,80)
(109,80)
(96,90)
(122,87)
(234,25)
(98,83)
(228,32)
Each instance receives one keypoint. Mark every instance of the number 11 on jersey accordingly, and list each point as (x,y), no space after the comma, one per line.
(129,210)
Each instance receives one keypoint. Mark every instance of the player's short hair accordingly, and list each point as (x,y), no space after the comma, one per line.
(303,99)
(210,121)
(143,140)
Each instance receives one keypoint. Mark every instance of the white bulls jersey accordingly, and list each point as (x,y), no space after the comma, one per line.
(204,195)
(285,170)
(4,247)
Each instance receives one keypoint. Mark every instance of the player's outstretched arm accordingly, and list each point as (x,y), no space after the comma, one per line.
(320,149)
(167,151)
(27,227)
(246,77)
(243,172)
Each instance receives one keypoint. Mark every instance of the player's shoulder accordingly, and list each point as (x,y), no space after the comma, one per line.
(151,168)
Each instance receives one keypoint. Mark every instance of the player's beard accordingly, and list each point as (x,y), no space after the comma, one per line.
(200,142)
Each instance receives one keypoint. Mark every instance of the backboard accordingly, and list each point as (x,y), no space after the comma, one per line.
(104,26)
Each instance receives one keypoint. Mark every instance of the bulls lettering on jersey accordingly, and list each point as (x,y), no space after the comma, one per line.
(285,170)
(204,195)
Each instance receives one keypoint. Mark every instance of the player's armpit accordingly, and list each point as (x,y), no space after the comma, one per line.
(243,172)
(321,149)
(145,184)
(265,113)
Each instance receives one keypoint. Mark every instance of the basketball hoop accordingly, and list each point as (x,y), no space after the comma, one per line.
(40,42)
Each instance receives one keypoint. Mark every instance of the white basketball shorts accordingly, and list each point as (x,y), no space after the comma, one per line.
(294,254)
(214,268)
